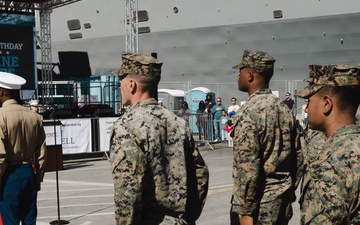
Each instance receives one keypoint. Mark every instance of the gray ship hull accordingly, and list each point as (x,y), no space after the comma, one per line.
(199,50)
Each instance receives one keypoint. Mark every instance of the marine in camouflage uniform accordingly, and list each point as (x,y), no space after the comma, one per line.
(149,145)
(331,184)
(266,155)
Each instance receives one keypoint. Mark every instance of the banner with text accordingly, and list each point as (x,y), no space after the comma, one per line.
(17,46)
(76,135)
(105,128)
(53,134)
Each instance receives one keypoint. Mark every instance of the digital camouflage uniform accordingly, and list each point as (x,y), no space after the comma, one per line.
(148,151)
(331,182)
(313,144)
(265,158)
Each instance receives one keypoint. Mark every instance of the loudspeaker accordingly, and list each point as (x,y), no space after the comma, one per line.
(74,64)
(154,54)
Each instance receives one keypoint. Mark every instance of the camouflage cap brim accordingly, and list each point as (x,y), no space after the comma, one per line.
(309,90)
(115,73)
(239,66)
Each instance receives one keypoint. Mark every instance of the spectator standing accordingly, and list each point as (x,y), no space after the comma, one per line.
(161,103)
(34,105)
(201,117)
(303,118)
(22,140)
(265,155)
(217,113)
(184,112)
(331,183)
(233,107)
(209,120)
(228,129)
(154,161)
(223,120)
(288,101)
(210,99)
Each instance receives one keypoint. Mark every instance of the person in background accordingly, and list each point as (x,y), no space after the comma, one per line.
(160,102)
(210,99)
(228,129)
(267,157)
(217,113)
(201,117)
(288,101)
(231,114)
(303,117)
(223,120)
(234,107)
(184,112)
(22,139)
(331,181)
(152,153)
(209,121)
(34,105)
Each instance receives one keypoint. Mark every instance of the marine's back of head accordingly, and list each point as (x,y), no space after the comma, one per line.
(257,60)
(139,64)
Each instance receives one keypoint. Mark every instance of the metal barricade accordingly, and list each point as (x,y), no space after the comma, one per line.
(202,128)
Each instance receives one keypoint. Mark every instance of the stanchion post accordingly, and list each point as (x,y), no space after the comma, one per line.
(58,221)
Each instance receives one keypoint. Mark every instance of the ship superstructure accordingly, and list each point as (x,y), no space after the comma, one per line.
(199,41)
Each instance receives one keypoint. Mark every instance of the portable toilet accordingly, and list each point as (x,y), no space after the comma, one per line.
(193,97)
(171,98)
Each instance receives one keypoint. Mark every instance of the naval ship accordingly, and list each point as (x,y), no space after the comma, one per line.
(199,41)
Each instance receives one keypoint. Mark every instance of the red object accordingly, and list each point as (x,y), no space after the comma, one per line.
(1,223)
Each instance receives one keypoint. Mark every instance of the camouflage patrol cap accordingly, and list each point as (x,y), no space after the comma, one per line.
(138,64)
(256,60)
(329,75)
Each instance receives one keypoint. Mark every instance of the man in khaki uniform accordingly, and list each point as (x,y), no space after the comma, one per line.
(22,141)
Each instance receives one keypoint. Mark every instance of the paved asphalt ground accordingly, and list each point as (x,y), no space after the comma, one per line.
(86,192)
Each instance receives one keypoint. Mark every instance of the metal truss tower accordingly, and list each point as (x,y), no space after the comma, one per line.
(46,55)
(131,26)
(45,8)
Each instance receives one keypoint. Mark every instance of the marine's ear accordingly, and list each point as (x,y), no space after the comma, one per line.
(327,103)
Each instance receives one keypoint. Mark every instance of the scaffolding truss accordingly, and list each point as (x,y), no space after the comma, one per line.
(31,6)
(132,26)
(46,56)
(45,8)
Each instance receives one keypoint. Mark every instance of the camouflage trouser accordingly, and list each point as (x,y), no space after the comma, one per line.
(161,219)
(275,206)
(168,220)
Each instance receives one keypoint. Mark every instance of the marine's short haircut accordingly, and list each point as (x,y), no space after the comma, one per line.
(265,73)
(346,95)
(147,83)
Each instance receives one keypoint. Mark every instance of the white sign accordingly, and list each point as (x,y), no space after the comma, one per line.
(105,130)
(51,132)
(76,135)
